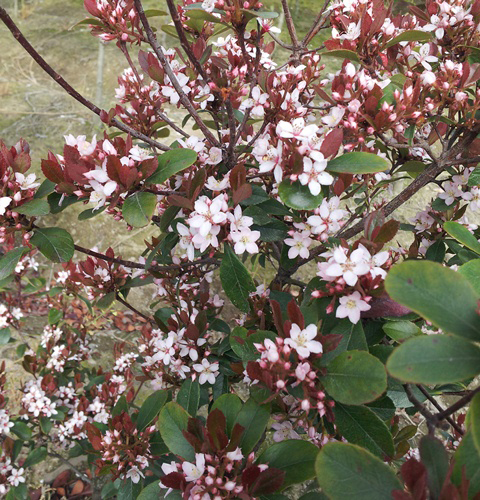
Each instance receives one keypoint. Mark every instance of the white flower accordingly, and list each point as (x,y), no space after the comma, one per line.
(428,78)
(351,306)
(194,471)
(4,202)
(451,192)
(186,240)
(298,244)
(235,455)
(208,371)
(27,182)
(134,474)
(208,5)
(302,340)
(171,93)
(214,158)
(84,147)
(245,241)
(207,213)
(296,130)
(16,477)
(139,154)
(334,117)
(217,185)
(350,268)
(314,176)
(284,430)
(423,56)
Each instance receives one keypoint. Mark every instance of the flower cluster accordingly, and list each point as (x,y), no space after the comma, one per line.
(124,449)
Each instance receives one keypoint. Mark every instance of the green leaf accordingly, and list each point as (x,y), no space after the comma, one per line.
(54,316)
(138,208)
(45,188)
(355,378)
(474,178)
(436,252)
(243,346)
(170,163)
(236,280)
(19,492)
(55,243)
(154,492)
(466,460)
(471,271)
(150,408)
(353,339)
(253,418)
(360,425)
(172,422)
(295,457)
(21,430)
(189,396)
(36,456)
(474,420)
(400,330)
(230,405)
(34,207)
(439,294)
(358,163)
(434,359)
(90,213)
(410,36)
(345,471)
(297,196)
(5,335)
(435,458)
(129,490)
(462,234)
(383,408)
(341,54)
(10,260)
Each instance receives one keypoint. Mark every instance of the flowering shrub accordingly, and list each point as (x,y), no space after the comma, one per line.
(340,324)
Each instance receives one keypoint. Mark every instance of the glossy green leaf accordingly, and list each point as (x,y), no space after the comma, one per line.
(353,339)
(297,196)
(138,208)
(55,243)
(348,472)
(172,422)
(34,207)
(435,458)
(36,456)
(236,280)
(400,330)
(5,335)
(230,405)
(253,418)
(466,460)
(410,36)
(358,163)
(471,271)
(355,378)
(295,457)
(129,490)
(151,408)
(54,316)
(437,293)
(189,396)
(462,234)
(360,425)
(170,163)
(21,430)
(434,359)
(9,261)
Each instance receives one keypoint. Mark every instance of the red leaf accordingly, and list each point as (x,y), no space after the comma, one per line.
(332,143)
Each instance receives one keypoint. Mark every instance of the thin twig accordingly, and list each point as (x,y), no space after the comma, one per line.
(171,75)
(133,309)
